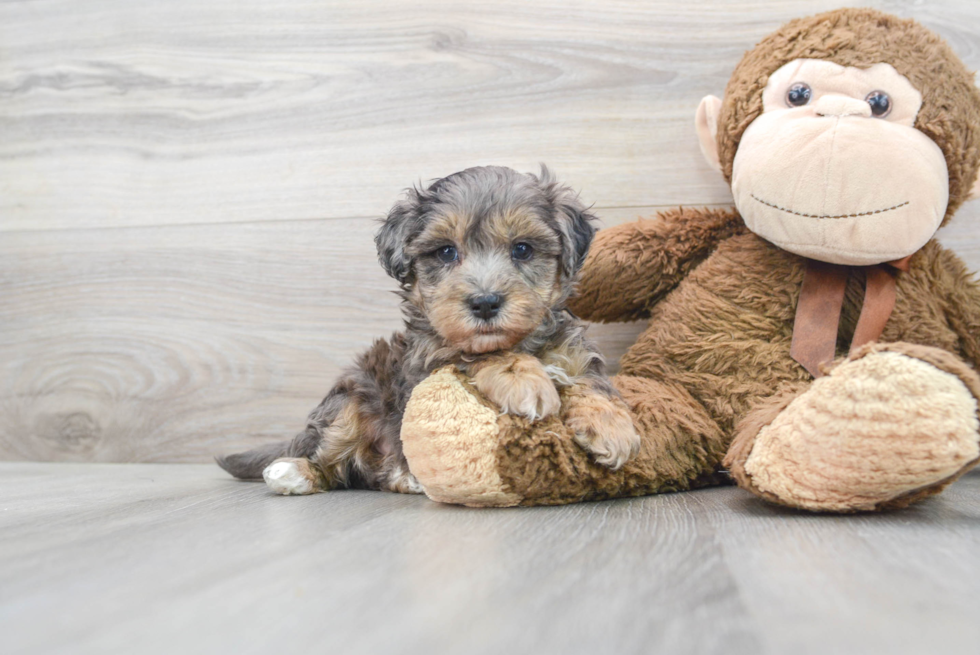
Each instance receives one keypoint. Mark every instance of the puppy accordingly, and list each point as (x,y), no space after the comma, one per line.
(486,259)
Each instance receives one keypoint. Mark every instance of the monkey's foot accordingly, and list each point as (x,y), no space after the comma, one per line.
(890,425)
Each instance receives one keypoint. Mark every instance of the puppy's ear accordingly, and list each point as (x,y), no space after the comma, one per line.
(403,222)
(575,222)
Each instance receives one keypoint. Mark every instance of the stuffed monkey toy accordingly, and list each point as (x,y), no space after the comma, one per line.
(815,344)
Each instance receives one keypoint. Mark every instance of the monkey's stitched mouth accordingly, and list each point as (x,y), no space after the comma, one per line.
(796,213)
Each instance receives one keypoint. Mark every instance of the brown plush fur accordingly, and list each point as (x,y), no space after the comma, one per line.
(732,352)
(702,383)
(542,464)
(713,369)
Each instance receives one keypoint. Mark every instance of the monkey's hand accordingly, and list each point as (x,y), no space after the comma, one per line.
(518,384)
(631,266)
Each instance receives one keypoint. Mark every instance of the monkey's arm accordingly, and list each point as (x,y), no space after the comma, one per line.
(632,266)
(962,304)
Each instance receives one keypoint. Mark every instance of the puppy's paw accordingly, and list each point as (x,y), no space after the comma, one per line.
(602,427)
(402,482)
(518,385)
(291,477)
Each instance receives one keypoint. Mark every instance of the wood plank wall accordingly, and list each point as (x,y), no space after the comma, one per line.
(188,189)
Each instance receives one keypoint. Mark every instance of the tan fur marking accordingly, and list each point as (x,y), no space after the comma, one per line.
(517,226)
(449,228)
(341,442)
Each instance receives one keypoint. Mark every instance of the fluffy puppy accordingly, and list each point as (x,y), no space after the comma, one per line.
(486,259)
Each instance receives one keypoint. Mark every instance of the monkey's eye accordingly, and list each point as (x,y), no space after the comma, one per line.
(521,251)
(447,254)
(881,104)
(798,95)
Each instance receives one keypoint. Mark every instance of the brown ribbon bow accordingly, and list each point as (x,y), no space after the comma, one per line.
(818,310)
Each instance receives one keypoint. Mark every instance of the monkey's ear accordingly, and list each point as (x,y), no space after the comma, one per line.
(975,189)
(706,123)
(403,222)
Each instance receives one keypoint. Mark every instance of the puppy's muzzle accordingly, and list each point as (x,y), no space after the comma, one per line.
(486,306)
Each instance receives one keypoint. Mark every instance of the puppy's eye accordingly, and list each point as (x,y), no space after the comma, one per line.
(798,95)
(447,254)
(881,104)
(521,251)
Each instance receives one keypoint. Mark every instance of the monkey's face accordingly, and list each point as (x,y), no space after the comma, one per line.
(833,168)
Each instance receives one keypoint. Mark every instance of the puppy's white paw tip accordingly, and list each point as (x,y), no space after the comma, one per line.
(608,451)
(285,478)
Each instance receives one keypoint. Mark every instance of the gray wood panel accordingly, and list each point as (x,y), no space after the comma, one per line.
(134,113)
(187,189)
(181,559)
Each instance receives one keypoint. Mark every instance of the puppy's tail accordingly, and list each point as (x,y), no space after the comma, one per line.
(250,464)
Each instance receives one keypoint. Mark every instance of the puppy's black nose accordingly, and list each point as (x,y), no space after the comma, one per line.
(485,306)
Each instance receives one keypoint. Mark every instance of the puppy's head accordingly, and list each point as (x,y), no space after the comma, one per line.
(487,253)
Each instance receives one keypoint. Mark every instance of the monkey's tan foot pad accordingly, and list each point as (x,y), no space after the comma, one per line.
(881,430)
(450,439)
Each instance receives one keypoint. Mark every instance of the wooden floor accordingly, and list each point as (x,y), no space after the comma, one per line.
(156,558)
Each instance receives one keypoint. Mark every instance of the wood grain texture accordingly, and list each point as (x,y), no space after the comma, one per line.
(135,113)
(179,559)
(187,190)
